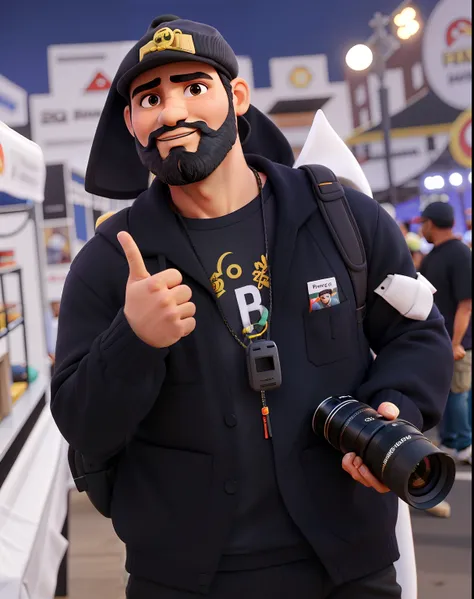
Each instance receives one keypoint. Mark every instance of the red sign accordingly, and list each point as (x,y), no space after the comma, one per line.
(100,83)
(461,141)
(2,160)
(457,29)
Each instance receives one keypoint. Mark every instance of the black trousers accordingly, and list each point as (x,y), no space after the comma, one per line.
(299,580)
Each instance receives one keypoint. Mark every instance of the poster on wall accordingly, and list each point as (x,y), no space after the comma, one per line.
(447,52)
(57,240)
(57,229)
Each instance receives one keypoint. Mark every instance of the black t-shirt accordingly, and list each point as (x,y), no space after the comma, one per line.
(448,268)
(232,251)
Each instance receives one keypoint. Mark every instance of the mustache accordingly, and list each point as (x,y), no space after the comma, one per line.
(199,125)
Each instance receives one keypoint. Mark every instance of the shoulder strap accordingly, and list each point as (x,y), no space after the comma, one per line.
(343,227)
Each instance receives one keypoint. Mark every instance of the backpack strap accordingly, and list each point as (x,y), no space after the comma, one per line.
(343,227)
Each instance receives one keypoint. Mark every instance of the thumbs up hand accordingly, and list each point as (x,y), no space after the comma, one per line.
(157,307)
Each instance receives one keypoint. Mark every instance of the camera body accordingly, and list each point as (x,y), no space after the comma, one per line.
(395,451)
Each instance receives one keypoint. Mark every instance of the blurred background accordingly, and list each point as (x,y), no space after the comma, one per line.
(393,79)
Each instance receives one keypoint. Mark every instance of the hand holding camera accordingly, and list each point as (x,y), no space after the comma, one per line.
(384,452)
(354,465)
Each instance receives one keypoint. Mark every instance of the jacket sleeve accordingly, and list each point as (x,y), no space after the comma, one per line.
(106,379)
(414,360)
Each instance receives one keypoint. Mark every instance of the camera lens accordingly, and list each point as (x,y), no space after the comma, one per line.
(395,451)
(424,476)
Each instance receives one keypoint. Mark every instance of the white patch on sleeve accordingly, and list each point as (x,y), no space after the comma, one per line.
(413,298)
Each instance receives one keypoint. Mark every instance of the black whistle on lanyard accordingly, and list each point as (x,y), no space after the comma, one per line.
(263,365)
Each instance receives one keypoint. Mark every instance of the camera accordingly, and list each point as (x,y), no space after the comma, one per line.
(395,451)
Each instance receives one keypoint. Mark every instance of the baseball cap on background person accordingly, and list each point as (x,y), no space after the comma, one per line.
(441,214)
(114,169)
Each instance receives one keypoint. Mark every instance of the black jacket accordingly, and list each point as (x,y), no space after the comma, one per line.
(177,479)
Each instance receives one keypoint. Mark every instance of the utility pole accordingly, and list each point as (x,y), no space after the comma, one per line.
(384,45)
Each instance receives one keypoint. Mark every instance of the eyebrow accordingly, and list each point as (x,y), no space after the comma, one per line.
(146,86)
(174,79)
(189,77)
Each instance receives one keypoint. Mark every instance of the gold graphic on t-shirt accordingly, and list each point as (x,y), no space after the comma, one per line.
(260,274)
(233,271)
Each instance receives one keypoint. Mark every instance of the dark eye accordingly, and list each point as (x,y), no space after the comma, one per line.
(150,101)
(195,89)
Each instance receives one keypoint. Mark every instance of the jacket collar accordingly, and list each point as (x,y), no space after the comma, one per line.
(157,230)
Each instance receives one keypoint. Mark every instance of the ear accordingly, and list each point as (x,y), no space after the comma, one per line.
(128,119)
(241,93)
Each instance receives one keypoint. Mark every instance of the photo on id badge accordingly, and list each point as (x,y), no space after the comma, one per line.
(323,294)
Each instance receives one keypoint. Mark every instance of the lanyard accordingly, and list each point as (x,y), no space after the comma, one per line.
(259,376)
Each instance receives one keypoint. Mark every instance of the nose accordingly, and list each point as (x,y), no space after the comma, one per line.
(173,111)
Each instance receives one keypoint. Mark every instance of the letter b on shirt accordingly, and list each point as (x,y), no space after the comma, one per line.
(249,300)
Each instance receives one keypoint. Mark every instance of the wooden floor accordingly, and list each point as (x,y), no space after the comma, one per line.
(96,555)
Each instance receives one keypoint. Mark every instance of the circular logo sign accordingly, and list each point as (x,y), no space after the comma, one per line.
(447,52)
(300,77)
(461,139)
(2,160)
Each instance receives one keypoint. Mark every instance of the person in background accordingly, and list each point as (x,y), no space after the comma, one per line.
(448,268)
(467,237)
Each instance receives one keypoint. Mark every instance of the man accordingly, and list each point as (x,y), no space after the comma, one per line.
(467,237)
(221,489)
(325,298)
(448,268)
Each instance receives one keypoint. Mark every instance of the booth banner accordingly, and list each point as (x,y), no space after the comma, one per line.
(461,139)
(22,169)
(64,126)
(447,52)
(13,103)
(77,70)
(63,121)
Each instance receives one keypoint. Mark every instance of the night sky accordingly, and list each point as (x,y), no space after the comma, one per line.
(257,28)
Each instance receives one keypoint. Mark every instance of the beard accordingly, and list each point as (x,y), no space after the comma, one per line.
(181,167)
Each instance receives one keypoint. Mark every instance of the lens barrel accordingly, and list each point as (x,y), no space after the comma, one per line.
(395,451)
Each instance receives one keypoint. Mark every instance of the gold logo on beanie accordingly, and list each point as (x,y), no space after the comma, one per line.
(168,39)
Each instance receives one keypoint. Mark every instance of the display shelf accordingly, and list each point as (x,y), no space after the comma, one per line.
(11,327)
(13,208)
(13,424)
(6,270)
(20,320)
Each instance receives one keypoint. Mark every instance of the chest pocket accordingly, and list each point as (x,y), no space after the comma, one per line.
(328,333)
